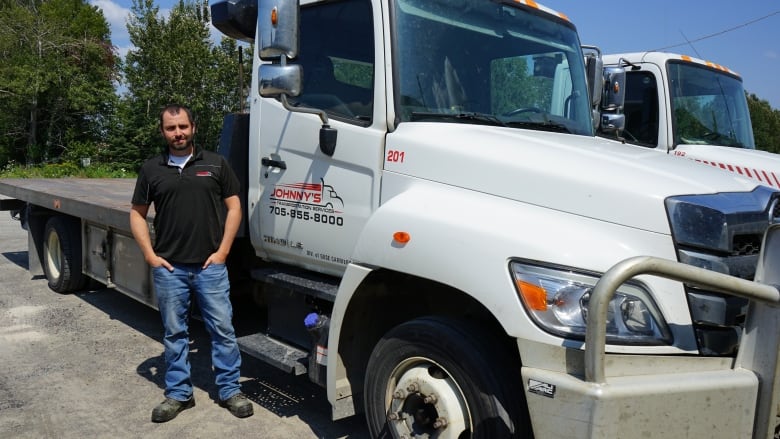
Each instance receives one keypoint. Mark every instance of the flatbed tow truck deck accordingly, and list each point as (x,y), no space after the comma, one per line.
(105,201)
(80,228)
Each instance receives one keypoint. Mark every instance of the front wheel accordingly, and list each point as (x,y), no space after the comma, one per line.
(62,255)
(441,378)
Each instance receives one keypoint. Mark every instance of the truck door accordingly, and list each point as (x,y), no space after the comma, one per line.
(313,207)
(645,108)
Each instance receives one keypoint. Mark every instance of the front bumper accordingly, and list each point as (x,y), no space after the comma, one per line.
(709,404)
(575,393)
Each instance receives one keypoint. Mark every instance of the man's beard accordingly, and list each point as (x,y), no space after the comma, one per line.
(186,145)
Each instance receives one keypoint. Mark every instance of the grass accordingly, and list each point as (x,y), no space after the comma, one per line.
(66,169)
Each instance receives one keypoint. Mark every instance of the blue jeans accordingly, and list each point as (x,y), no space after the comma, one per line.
(212,292)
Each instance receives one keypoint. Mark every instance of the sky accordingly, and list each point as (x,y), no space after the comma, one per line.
(743,36)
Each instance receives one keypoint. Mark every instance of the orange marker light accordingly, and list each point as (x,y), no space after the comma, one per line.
(401,237)
(533,295)
(274,16)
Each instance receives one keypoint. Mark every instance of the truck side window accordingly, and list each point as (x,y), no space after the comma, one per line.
(641,109)
(337,55)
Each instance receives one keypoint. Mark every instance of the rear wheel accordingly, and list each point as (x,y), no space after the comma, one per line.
(441,378)
(62,254)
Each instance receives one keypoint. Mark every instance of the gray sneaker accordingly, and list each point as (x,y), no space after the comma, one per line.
(239,405)
(168,409)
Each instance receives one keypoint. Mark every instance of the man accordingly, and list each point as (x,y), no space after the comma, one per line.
(197,214)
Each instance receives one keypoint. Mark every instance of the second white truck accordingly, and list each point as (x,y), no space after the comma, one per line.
(690,108)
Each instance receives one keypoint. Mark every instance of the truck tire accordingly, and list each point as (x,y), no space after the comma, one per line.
(439,377)
(62,255)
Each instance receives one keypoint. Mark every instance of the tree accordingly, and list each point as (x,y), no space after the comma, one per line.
(515,84)
(57,67)
(174,61)
(766,124)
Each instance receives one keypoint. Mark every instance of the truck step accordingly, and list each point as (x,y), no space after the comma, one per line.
(303,282)
(274,352)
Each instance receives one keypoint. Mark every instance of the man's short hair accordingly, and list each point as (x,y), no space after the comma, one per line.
(175,109)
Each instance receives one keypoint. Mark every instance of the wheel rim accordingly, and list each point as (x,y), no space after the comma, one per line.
(424,401)
(53,255)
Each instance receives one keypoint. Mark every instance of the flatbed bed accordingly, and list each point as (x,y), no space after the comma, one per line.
(101,200)
(81,225)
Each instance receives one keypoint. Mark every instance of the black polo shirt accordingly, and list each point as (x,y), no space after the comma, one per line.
(189,209)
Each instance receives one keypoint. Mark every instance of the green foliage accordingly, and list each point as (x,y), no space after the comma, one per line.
(57,67)
(174,61)
(688,126)
(61,170)
(353,72)
(58,71)
(766,124)
(514,83)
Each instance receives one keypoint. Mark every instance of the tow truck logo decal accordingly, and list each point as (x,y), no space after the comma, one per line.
(317,202)
(312,194)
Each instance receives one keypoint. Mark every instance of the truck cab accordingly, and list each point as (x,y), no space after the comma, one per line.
(691,108)
(501,74)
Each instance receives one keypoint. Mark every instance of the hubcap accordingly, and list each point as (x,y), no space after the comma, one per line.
(53,255)
(426,402)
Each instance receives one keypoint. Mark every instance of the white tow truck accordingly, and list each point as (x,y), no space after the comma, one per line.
(424,173)
(686,107)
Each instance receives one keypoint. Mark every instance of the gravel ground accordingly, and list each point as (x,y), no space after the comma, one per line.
(89,365)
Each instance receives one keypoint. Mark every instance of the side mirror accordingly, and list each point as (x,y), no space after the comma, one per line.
(236,18)
(614,89)
(612,123)
(594,66)
(279,25)
(278,35)
(614,96)
(277,79)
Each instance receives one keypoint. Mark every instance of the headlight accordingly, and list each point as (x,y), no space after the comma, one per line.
(557,300)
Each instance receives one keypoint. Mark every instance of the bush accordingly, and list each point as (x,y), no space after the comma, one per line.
(59,170)
(77,150)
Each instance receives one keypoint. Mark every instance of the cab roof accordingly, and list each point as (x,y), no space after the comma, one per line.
(661,58)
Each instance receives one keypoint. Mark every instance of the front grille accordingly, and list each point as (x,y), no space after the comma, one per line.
(718,320)
(776,211)
(746,244)
(723,233)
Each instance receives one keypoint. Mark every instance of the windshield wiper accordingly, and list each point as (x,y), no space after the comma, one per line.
(542,126)
(459,117)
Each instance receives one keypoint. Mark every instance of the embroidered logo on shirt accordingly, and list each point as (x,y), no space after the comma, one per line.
(203,174)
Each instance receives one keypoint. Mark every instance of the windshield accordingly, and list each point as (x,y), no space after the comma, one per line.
(489,63)
(709,107)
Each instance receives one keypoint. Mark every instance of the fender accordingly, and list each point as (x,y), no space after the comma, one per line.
(466,239)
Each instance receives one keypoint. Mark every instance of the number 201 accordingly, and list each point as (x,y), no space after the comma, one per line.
(395,156)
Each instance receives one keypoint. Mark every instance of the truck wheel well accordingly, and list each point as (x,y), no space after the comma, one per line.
(387,299)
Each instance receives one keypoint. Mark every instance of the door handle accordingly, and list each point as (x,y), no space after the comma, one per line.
(271,163)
